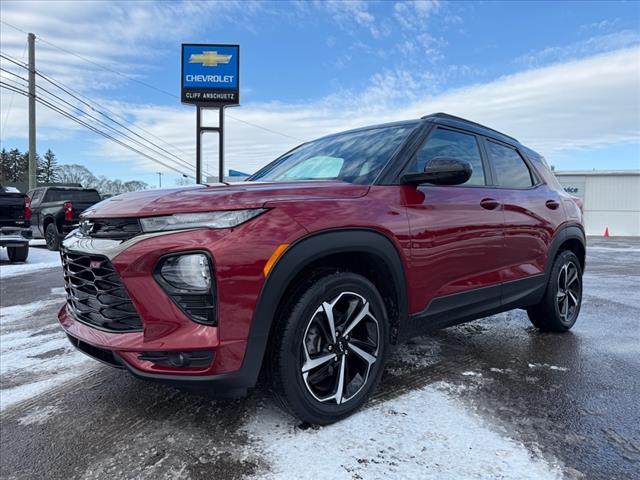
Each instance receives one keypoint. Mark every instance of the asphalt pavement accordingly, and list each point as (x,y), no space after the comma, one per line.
(570,400)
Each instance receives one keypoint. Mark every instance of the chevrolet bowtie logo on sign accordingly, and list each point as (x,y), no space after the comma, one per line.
(209,59)
(210,74)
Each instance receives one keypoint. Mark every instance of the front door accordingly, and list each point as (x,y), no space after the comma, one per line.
(456,233)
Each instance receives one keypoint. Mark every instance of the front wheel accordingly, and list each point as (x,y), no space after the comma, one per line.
(18,254)
(329,348)
(560,306)
(52,238)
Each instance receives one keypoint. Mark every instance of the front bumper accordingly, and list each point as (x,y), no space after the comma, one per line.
(238,255)
(15,236)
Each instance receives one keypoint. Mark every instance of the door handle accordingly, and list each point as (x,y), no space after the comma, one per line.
(552,204)
(489,203)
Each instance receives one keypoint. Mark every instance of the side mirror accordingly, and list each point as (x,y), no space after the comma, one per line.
(441,171)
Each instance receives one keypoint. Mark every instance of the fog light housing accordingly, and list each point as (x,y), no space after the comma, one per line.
(188,280)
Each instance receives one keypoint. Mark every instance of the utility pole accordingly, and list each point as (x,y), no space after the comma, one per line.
(31,40)
(159,179)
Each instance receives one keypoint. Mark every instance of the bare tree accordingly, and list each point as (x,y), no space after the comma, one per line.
(74,173)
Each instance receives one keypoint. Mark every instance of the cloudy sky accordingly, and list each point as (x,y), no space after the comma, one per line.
(563,78)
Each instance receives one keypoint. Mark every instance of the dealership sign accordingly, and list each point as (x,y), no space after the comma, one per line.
(210,74)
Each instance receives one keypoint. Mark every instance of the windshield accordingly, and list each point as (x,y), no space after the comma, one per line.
(355,157)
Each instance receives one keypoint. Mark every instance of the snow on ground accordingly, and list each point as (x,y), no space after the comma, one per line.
(38,259)
(35,354)
(423,434)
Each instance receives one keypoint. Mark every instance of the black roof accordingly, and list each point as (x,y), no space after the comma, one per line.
(479,128)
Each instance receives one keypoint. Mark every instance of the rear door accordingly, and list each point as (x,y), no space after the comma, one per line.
(456,232)
(36,216)
(532,212)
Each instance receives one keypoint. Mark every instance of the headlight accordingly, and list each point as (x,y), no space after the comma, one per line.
(180,221)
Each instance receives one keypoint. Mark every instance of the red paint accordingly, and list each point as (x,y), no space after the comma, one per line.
(450,239)
(27,208)
(68,211)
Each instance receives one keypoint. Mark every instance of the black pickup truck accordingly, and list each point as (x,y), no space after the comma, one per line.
(14,224)
(55,211)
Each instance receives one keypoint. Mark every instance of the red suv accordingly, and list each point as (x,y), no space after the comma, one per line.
(313,268)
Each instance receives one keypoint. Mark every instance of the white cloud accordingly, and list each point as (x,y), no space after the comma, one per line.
(412,15)
(582,48)
(351,14)
(128,37)
(582,103)
(577,103)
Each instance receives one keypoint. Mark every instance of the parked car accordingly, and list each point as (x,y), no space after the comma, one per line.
(55,211)
(312,269)
(15,214)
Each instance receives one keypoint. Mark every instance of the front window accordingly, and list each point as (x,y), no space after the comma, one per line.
(451,144)
(355,157)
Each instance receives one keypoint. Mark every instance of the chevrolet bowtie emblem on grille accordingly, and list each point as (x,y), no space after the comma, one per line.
(86,227)
(209,59)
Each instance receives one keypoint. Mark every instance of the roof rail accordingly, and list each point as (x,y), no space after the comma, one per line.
(460,119)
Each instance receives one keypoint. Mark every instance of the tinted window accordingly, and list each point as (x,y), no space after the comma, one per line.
(355,157)
(509,166)
(36,196)
(58,195)
(447,143)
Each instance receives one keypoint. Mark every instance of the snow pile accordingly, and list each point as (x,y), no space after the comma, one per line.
(35,354)
(423,434)
(39,258)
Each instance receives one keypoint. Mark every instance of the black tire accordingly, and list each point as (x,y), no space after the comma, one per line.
(18,254)
(304,322)
(52,237)
(560,306)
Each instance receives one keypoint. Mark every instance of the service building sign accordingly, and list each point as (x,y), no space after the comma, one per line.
(210,74)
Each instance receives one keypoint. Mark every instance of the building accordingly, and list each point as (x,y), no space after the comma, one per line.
(611,199)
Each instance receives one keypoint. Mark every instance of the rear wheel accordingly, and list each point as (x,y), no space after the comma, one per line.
(560,306)
(329,348)
(18,254)
(51,237)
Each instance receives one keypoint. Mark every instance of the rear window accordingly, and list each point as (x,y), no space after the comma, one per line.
(58,195)
(509,166)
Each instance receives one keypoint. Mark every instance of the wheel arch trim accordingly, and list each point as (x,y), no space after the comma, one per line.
(293,261)
(564,234)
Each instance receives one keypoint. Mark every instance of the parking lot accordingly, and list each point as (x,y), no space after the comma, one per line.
(491,399)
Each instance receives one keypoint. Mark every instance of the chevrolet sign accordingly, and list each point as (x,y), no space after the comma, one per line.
(210,74)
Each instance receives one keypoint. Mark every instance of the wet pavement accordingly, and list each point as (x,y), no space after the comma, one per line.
(571,400)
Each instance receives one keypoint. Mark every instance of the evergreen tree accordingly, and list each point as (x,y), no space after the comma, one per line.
(16,169)
(48,171)
(4,164)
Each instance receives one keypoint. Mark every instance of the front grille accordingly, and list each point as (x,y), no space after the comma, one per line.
(113,228)
(95,294)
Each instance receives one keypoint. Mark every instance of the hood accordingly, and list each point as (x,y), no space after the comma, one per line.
(220,197)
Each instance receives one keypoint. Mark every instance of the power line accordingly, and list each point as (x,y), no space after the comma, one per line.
(90,127)
(148,85)
(66,103)
(57,84)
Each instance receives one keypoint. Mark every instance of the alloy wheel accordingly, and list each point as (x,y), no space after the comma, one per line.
(569,292)
(339,348)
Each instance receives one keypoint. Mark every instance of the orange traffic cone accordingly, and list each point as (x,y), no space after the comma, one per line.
(606,232)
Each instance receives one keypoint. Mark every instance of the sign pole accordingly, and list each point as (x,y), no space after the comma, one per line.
(221,145)
(198,141)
